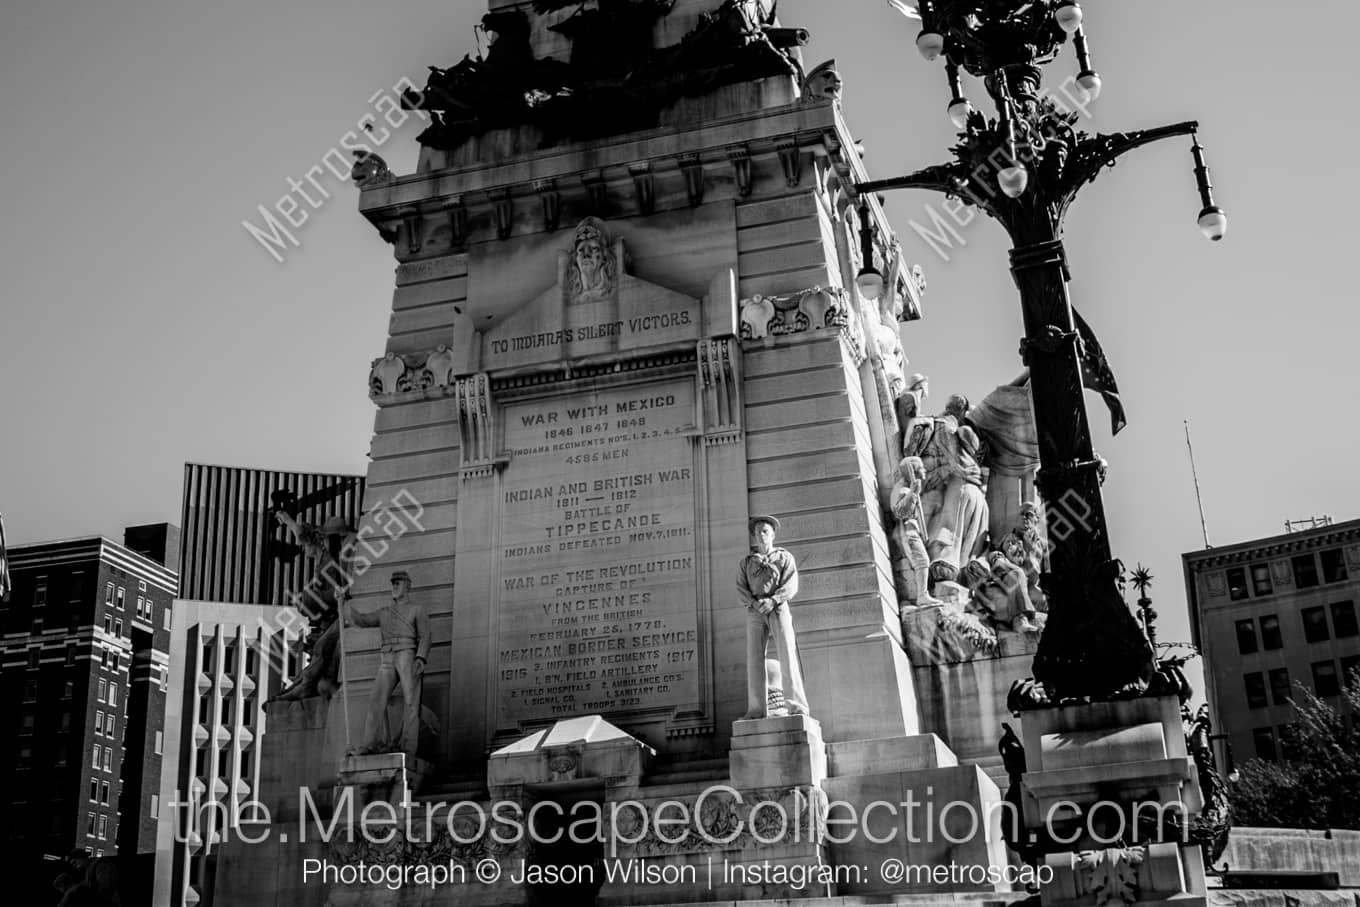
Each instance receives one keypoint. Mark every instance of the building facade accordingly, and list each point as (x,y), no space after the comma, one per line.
(1270,614)
(234,550)
(225,661)
(86,632)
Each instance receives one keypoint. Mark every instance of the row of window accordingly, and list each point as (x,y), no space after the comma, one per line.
(243,763)
(228,657)
(1326,682)
(100,822)
(228,703)
(101,757)
(1255,581)
(108,691)
(103,723)
(99,791)
(1315,627)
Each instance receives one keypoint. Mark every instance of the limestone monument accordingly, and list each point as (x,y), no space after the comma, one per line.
(626,324)
(767,581)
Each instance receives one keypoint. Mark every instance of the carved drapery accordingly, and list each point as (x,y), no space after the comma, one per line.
(719,389)
(476,425)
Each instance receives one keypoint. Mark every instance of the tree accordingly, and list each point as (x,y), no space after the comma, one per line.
(1317,782)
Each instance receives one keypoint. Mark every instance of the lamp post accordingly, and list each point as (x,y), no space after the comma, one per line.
(1024,168)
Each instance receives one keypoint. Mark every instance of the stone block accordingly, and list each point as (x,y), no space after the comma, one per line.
(888,754)
(777,752)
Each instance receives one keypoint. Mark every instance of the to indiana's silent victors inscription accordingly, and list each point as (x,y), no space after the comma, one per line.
(597,557)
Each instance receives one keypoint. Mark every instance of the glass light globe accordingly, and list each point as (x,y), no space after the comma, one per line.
(1068,17)
(930,44)
(1089,82)
(1013,180)
(959,109)
(1213,223)
(870,283)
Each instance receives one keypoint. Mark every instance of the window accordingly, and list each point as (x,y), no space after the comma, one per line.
(61,753)
(227,703)
(108,758)
(155,806)
(25,757)
(208,657)
(1343,620)
(1264,738)
(229,658)
(1315,624)
(244,765)
(167,618)
(30,691)
(65,722)
(108,724)
(118,599)
(1237,583)
(1246,636)
(1305,571)
(37,625)
(40,594)
(201,763)
(90,826)
(1349,666)
(141,585)
(99,721)
(203,710)
(118,630)
(248,712)
(108,623)
(1256,689)
(1325,681)
(94,790)
(140,606)
(103,827)
(34,655)
(1279,686)
(103,689)
(1260,580)
(108,594)
(98,755)
(160,742)
(70,654)
(104,792)
(113,694)
(68,690)
(26,723)
(1333,565)
(250,660)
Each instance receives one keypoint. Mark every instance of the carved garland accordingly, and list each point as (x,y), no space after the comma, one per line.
(764,317)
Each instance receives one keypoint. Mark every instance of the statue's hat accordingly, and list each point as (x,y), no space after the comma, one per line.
(335,525)
(401,575)
(757,520)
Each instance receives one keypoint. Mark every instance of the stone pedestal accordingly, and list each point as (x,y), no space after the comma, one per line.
(382,777)
(776,752)
(1100,777)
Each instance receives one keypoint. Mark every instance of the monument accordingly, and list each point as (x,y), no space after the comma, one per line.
(627,324)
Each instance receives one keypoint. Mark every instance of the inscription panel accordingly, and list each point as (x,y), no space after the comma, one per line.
(597,609)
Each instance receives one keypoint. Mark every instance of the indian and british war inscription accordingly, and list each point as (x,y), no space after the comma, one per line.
(597,608)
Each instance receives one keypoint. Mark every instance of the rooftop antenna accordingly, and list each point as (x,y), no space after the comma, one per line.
(1204,527)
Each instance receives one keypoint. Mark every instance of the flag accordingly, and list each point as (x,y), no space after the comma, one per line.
(4,564)
(1096,374)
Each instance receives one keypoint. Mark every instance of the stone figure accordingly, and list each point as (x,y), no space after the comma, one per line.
(998,594)
(909,403)
(1004,421)
(592,271)
(824,81)
(405,649)
(767,580)
(369,170)
(1024,546)
(911,569)
(886,330)
(952,500)
(329,547)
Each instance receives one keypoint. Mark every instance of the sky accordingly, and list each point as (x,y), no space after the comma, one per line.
(143,327)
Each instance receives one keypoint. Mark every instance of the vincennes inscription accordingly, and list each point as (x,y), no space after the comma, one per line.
(597,608)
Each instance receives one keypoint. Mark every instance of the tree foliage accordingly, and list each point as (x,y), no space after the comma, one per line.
(1317,782)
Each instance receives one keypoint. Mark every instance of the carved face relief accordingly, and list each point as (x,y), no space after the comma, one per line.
(592,269)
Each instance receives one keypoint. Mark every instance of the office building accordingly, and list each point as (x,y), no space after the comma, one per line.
(1268,614)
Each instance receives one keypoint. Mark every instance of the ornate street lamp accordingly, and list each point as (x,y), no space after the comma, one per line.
(1024,168)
